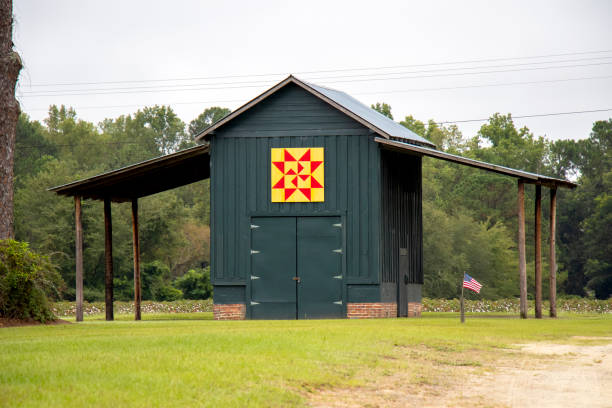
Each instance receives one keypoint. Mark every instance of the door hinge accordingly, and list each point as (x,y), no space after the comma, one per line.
(253,277)
(338,302)
(254,252)
(338,251)
(253,226)
(338,225)
(254,303)
(338,277)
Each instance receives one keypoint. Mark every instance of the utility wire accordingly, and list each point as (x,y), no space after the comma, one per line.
(190,86)
(530,116)
(327,71)
(336,81)
(355,93)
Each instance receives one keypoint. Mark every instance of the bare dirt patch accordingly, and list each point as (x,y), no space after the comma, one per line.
(534,375)
(5,322)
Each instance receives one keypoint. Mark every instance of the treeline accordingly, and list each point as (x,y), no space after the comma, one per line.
(469,215)
(174,229)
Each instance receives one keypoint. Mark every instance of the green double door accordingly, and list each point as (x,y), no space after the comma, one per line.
(296,268)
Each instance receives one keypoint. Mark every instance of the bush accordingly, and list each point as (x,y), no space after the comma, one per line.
(195,284)
(26,280)
(167,293)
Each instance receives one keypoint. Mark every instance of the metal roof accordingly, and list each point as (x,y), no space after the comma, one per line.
(363,114)
(144,178)
(528,177)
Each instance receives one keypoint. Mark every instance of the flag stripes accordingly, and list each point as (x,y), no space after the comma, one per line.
(471,283)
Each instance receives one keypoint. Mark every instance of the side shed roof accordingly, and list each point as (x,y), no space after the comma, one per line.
(350,106)
(532,178)
(144,178)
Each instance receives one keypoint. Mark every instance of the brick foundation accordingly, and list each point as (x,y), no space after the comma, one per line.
(235,311)
(414,309)
(371,310)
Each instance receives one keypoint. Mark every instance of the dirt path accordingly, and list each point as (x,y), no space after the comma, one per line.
(538,375)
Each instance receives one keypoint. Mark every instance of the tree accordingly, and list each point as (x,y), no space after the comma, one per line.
(383,108)
(10,66)
(165,128)
(207,118)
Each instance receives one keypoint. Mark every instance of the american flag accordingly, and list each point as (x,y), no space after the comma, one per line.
(471,283)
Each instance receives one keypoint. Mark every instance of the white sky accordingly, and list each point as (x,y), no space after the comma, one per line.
(76,42)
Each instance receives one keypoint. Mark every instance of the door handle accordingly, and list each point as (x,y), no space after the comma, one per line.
(297,279)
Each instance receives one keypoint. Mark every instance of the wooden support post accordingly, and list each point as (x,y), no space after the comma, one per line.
(553,259)
(108,259)
(78,244)
(136,243)
(538,252)
(521,249)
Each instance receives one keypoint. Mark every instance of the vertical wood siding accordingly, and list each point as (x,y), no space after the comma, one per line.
(401,215)
(240,180)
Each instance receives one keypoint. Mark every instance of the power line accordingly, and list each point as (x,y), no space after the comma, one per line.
(530,116)
(328,70)
(177,87)
(336,81)
(356,93)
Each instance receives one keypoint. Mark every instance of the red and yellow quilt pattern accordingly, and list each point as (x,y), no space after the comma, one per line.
(297,175)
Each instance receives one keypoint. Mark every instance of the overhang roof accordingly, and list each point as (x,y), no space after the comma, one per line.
(144,178)
(350,106)
(507,171)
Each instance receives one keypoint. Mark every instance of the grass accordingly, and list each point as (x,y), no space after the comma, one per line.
(161,362)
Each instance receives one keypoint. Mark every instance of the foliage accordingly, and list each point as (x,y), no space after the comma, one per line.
(167,293)
(26,280)
(207,118)
(383,108)
(571,305)
(195,284)
(68,309)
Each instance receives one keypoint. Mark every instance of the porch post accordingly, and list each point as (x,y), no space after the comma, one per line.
(521,249)
(136,244)
(538,252)
(78,258)
(108,259)
(553,257)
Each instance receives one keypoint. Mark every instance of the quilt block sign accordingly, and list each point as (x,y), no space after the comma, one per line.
(297,175)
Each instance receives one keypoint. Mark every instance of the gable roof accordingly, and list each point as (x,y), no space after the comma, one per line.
(345,103)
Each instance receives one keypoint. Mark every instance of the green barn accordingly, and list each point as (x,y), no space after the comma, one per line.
(315,206)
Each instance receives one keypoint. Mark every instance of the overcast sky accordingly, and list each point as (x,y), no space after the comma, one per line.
(118,56)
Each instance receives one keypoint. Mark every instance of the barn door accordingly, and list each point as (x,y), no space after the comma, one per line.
(273,268)
(296,267)
(319,267)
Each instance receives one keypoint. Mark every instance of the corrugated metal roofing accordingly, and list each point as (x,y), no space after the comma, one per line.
(365,115)
(380,121)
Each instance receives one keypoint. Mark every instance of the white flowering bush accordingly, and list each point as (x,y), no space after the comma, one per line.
(574,305)
(67,309)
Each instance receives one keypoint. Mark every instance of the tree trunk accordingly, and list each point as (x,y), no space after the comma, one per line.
(10,65)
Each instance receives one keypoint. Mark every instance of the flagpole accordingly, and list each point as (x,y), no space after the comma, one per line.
(462,306)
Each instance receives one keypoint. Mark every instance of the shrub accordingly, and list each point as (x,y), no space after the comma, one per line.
(167,293)
(26,280)
(195,284)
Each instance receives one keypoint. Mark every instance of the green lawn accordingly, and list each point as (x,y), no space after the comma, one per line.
(162,362)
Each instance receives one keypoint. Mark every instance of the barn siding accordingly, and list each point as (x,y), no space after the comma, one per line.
(240,177)
(401,215)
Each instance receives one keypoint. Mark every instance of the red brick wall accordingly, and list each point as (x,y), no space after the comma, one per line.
(370,310)
(236,311)
(414,309)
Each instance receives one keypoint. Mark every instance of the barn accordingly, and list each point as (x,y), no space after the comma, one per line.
(315,207)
